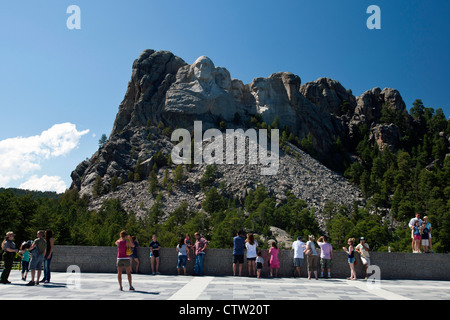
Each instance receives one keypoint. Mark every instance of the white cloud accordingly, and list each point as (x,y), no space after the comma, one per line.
(44,183)
(21,156)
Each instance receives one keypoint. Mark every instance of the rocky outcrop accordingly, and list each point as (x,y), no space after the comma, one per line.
(329,96)
(369,105)
(385,136)
(165,93)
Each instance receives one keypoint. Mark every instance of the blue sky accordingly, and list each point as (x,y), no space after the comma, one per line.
(76,79)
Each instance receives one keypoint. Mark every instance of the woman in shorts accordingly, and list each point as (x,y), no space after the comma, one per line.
(123,259)
(154,255)
(250,245)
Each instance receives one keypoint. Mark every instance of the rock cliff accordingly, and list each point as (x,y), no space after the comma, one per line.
(165,93)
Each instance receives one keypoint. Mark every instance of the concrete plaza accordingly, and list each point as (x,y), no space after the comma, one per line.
(104,286)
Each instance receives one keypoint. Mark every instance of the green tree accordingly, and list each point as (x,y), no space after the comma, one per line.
(213,202)
(209,176)
(178,174)
(102,141)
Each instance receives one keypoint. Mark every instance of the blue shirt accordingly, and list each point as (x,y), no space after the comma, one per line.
(416,231)
(239,245)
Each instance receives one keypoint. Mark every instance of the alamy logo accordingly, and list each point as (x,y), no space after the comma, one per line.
(235,147)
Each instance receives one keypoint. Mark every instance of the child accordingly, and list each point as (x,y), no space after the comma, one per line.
(259,263)
(134,255)
(25,255)
(274,262)
(188,243)
(417,237)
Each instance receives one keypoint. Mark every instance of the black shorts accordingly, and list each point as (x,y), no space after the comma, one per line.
(155,254)
(238,258)
(259,265)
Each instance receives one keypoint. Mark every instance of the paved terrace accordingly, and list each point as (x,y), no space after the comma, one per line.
(104,286)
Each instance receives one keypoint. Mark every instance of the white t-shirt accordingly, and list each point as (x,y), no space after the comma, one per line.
(298,247)
(364,252)
(251,249)
(413,221)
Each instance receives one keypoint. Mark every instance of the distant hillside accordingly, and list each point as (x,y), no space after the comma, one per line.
(36,194)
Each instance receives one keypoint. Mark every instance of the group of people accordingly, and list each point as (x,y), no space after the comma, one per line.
(302,251)
(247,247)
(127,253)
(38,253)
(420,234)
(34,255)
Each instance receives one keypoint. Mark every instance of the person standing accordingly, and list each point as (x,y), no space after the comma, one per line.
(38,250)
(123,258)
(182,256)
(48,254)
(200,250)
(417,237)
(298,246)
(363,249)
(274,262)
(411,224)
(426,235)
(351,258)
(251,244)
(134,255)
(238,252)
(154,255)
(312,258)
(259,264)
(326,256)
(25,255)
(9,252)
(190,248)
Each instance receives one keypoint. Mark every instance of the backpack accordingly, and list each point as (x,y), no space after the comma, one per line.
(40,245)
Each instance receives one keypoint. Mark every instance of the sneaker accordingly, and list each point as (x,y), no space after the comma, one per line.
(131,288)
(31,283)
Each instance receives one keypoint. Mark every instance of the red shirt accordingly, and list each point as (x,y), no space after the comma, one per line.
(122,250)
(199,245)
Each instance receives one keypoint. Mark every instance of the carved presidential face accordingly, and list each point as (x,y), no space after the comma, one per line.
(204,69)
(222,77)
(260,91)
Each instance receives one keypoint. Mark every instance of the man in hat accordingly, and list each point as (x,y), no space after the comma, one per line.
(9,252)
(363,249)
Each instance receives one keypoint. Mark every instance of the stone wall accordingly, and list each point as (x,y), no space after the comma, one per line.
(219,262)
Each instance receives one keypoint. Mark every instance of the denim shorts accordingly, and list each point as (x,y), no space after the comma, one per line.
(36,261)
(351,260)
(298,262)
(181,261)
